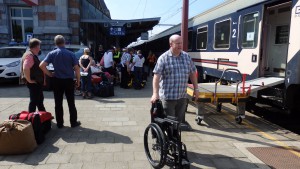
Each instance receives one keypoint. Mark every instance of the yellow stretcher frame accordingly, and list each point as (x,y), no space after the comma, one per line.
(218,94)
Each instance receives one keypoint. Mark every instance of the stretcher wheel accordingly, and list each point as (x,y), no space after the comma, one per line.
(219,107)
(198,120)
(238,120)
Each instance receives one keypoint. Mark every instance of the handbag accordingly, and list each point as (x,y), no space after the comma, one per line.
(84,73)
(16,137)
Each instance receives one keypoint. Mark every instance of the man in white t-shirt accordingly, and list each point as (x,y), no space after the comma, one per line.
(109,62)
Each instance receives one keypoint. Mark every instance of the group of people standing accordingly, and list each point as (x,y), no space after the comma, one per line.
(125,66)
(171,74)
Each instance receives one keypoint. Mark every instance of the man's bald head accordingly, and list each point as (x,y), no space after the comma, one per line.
(174,38)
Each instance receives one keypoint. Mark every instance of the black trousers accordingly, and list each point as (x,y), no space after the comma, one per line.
(36,97)
(61,87)
(124,77)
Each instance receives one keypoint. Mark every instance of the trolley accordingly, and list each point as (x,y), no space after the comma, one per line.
(217,94)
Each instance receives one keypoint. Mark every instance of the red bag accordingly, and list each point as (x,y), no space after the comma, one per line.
(45,116)
(44,119)
(96,79)
(25,115)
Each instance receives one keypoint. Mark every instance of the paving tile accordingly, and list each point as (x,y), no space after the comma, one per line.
(59,158)
(139,165)
(224,163)
(36,159)
(95,165)
(140,156)
(82,158)
(103,157)
(123,156)
(5,167)
(133,147)
(47,166)
(23,167)
(13,160)
(117,165)
(73,149)
(71,166)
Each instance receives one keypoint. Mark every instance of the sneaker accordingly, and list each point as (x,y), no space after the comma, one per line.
(77,123)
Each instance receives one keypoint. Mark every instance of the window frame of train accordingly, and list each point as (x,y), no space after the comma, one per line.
(202,31)
(282,34)
(245,35)
(226,45)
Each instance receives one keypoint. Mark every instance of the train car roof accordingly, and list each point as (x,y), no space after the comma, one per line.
(222,9)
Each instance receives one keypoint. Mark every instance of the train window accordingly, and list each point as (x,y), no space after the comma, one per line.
(250,30)
(222,34)
(202,38)
(190,38)
(282,34)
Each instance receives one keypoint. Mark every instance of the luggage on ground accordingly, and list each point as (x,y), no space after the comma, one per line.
(104,89)
(41,122)
(96,79)
(16,137)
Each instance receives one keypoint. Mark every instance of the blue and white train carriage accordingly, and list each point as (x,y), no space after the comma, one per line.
(261,38)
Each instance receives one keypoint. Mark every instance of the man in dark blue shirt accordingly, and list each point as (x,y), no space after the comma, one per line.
(64,63)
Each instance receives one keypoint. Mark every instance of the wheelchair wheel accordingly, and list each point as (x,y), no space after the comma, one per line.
(154,142)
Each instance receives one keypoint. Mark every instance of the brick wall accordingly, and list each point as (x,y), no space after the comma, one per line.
(74,18)
(74,4)
(47,16)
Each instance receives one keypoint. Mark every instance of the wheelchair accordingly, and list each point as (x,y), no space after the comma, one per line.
(162,143)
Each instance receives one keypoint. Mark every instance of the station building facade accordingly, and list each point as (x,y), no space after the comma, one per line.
(79,21)
(19,20)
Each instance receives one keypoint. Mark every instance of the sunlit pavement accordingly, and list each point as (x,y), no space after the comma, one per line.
(111,134)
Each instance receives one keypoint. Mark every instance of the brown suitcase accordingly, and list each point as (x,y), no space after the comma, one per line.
(16,137)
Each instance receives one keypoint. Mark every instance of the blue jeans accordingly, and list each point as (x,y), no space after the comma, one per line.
(86,83)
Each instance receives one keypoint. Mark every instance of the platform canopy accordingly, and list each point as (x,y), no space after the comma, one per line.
(126,31)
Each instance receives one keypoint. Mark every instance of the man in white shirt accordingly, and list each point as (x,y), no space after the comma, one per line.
(108,61)
(138,63)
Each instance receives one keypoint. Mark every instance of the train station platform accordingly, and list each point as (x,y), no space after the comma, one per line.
(111,136)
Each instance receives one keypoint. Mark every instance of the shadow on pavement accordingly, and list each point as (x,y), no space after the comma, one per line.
(66,141)
(219,161)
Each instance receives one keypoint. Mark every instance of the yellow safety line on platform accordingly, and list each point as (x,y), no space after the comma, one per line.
(283,145)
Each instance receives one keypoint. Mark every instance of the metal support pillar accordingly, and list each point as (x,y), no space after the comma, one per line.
(184,28)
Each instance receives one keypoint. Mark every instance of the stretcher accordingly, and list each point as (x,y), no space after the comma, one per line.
(217,94)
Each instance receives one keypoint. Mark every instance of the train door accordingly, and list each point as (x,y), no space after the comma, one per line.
(277,18)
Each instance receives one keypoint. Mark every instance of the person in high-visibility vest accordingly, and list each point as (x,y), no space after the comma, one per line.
(117,56)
